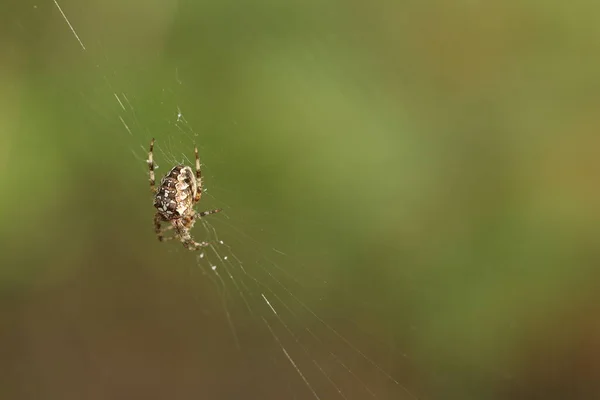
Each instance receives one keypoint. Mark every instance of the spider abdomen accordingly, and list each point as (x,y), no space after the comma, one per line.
(176,193)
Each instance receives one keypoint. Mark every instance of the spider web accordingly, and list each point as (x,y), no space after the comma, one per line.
(316,346)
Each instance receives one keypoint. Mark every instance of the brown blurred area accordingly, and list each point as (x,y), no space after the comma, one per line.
(429,171)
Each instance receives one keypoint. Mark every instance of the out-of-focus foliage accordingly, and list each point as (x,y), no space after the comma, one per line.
(437,163)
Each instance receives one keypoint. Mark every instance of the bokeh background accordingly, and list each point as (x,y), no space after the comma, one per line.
(429,169)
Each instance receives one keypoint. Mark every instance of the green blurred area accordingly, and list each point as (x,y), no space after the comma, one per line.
(436,163)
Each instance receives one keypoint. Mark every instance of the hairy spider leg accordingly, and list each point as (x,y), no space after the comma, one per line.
(205,213)
(159,230)
(151,167)
(199,187)
(186,238)
(198,177)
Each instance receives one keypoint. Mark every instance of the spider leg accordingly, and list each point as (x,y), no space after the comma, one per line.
(159,230)
(205,213)
(198,177)
(151,166)
(163,231)
(185,237)
(192,245)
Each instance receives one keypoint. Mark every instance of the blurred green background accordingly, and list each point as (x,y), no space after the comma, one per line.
(429,169)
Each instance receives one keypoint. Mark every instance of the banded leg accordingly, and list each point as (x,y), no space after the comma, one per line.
(159,230)
(157,226)
(205,213)
(198,176)
(184,234)
(151,167)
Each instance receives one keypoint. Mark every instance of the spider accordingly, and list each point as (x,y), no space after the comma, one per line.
(174,200)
